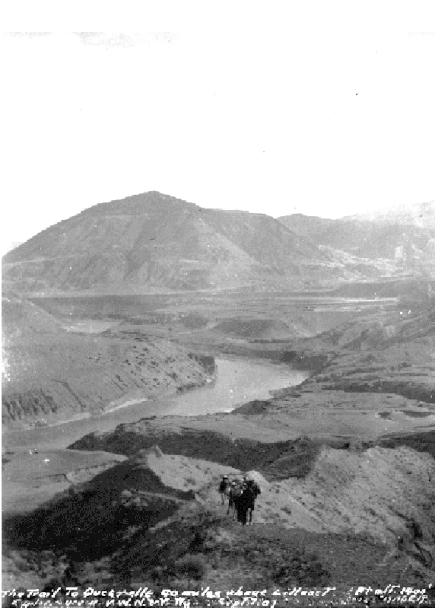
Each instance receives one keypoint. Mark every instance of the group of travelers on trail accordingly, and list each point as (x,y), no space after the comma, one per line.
(241,497)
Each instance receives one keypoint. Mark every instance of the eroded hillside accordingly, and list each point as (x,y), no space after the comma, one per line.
(352,517)
(381,353)
(51,375)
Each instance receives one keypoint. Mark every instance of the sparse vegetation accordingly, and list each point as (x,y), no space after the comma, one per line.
(301,569)
(131,527)
(191,566)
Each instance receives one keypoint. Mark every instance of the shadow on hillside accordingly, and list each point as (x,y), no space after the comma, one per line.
(278,460)
(83,525)
(420,442)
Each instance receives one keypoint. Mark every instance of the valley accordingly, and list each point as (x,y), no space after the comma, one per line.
(125,401)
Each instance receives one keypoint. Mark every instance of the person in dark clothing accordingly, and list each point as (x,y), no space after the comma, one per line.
(231,499)
(241,506)
(224,488)
(250,496)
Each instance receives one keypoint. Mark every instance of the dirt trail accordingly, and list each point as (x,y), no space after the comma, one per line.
(348,501)
(349,510)
(379,492)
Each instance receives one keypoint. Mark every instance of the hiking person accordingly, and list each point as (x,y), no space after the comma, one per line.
(250,496)
(255,487)
(224,488)
(241,505)
(232,499)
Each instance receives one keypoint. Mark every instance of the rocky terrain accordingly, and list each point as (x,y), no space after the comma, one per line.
(344,512)
(52,375)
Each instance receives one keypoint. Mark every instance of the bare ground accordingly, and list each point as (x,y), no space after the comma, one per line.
(366,510)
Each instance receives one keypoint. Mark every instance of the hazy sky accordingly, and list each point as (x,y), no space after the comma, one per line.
(326,125)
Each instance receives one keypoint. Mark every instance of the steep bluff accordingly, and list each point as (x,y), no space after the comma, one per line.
(386,352)
(51,375)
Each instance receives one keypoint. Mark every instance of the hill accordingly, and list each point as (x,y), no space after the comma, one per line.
(308,226)
(420,214)
(388,353)
(157,517)
(409,248)
(157,242)
(254,329)
(21,318)
(51,375)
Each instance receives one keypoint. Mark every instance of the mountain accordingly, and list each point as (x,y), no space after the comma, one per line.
(154,242)
(405,244)
(410,248)
(420,214)
(308,226)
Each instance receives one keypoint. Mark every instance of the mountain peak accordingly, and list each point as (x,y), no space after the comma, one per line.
(154,241)
(140,202)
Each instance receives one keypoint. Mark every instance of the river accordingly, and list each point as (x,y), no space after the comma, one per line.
(238,381)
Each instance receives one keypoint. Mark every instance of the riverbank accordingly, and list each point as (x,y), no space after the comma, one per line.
(320,450)
(53,375)
(237,381)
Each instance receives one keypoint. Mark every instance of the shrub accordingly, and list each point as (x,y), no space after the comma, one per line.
(302,569)
(191,566)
